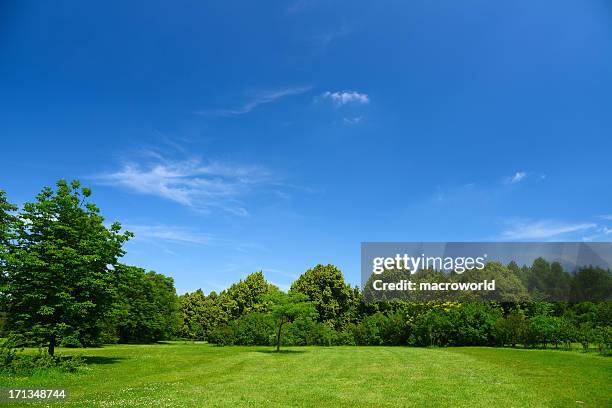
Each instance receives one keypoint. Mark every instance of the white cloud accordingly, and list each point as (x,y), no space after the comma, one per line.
(169,234)
(325,39)
(606,217)
(517,177)
(258,98)
(281,273)
(192,183)
(340,98)
(353,121)
(544,229)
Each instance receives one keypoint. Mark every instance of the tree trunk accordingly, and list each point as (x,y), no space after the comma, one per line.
(52,345)
(278,336)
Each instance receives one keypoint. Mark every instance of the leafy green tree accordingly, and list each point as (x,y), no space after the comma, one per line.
(567,332)
(508,287)
(60,276)
(586,334)
(324,286)
(247,295)
(536,281)
(473,323)
(433,328)
(592,284)
(254,329)
(508,330)
(193,322)
(146,309)
(368,332)
(8,227)
(557,283)
(286,308)
(545,329)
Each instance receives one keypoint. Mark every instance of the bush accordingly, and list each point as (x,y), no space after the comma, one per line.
(307,332)
(345,337)
(255,329)
(395,329)
(71,342)
(508,330)
(71,364)
(433,328)
(13,361)
(9,350)
(222,335)
(586,335)
(474,324)
(368,332)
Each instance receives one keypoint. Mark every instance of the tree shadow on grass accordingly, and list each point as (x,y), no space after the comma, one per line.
(282,351)
(101,360)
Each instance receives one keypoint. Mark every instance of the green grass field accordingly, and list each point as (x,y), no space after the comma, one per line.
(197,375)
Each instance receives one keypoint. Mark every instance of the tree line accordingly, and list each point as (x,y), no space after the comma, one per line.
(62,283)
(341,314)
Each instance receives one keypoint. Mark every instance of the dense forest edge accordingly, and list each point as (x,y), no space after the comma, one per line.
(62,284)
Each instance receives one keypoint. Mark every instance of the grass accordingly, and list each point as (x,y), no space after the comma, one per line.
(201,375)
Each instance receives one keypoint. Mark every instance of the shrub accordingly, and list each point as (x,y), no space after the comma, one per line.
(586,335)
(508,330)
(9,350)
(71,364)
(13,361)
(255,329)
(433,328)
(346,337)
(71,342)
(368,332)
(395,329)
(222,335)
(473,324)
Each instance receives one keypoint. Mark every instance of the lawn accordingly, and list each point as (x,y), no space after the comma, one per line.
(197,375)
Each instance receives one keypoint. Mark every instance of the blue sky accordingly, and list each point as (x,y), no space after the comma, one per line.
(238,136)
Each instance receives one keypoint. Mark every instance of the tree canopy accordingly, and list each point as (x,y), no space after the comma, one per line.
(62,259)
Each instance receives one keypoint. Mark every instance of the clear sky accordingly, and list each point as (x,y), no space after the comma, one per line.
(241,136)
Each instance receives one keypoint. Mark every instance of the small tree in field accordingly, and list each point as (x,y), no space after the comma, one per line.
(286,308)
(61,269)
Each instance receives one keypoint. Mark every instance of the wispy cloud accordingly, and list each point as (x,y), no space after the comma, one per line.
(281,273)
(193,183)
(256,99)
(517,177)
(352,121)
(341,98)
(323,40)
(544,229)
(169,234)
(606,217)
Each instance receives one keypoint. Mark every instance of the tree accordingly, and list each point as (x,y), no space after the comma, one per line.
(592,284)
(246,296)
(324,285)
(8,226)
(192,313)
(286,308)
(557,283)
(146,305)
(508,287)
(61,273)
(509,329)
(536,281)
